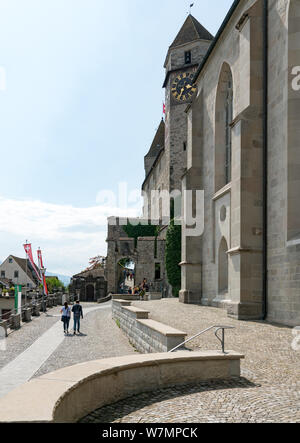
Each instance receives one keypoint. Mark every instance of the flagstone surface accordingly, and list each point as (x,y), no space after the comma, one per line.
(268,391)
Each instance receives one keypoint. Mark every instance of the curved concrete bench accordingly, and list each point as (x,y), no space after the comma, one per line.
(67,395)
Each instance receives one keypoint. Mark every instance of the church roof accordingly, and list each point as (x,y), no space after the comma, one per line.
(191,30)
(158,141)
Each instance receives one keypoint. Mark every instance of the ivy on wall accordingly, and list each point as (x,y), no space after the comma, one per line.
(173,257)
(140,231)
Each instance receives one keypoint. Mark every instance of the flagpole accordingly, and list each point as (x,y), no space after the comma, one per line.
(26,274)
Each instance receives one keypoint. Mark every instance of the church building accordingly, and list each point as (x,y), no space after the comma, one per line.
(232,130)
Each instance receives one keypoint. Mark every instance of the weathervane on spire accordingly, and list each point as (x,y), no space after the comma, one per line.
(191,5)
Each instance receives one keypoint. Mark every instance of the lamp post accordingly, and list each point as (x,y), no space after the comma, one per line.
(43,272)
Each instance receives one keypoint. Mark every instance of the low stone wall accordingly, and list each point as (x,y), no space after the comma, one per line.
(145,335)
(126,297)
(105,299)
(72,393)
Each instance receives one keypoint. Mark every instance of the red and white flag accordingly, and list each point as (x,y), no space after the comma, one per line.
(28,251)
(41,266)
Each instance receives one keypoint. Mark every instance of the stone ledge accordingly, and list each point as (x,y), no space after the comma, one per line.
(165,330)
(122,302)
(139,313)
(72,393)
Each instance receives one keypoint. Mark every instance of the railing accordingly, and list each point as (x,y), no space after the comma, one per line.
(30,305)
(218,328)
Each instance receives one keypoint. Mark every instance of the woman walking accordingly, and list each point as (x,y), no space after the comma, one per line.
(66,317)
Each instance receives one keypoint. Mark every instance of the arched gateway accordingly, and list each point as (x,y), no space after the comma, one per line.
(145,252)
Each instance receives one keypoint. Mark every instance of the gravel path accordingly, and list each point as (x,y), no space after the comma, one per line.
(268,391)
(101,338)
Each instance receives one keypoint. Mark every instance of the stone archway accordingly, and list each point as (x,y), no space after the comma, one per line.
(90,293)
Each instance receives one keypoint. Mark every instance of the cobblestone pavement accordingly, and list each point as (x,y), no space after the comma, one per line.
(41,346)
(19,340)
(268,391)
(22,368)
(101,338)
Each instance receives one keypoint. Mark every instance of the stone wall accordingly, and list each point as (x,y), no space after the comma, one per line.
(240,48)
(146,253)
(145,335)
(238,52)
(284,135)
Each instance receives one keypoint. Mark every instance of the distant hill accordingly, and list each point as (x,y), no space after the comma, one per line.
(64,278)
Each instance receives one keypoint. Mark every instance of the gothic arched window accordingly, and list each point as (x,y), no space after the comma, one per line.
(223,120)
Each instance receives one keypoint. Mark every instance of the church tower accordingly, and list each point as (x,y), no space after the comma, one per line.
(183,58)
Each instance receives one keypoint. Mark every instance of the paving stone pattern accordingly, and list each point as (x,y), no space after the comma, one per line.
(268,391)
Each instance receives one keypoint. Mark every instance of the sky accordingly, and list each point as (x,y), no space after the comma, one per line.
(80,101)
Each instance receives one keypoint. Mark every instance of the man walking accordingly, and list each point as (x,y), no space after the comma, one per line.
(77,314)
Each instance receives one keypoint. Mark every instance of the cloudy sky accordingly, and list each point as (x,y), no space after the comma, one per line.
(80,101)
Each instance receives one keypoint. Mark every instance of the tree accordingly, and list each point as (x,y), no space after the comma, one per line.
(173,257)
(53,284)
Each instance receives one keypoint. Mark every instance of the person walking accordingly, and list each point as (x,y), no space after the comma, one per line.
(66,317)
(77,314)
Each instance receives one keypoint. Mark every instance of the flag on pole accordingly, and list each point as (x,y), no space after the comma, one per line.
(28,251)
(164,108)
(41,266)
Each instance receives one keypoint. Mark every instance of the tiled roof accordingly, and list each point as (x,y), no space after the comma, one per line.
(191,30)
(22,263)
(156,147)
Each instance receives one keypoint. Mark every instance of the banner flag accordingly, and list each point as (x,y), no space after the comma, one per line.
(41,266)
(28,251)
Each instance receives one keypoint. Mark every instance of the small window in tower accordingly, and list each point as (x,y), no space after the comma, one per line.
(157,271)
(184,146)
(16,274)
(188,57)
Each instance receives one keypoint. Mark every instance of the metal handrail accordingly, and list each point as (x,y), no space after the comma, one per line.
(218,328)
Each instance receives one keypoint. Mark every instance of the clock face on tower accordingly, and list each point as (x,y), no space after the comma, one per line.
(183,87)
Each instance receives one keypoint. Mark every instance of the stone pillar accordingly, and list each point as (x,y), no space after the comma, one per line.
(245,255)
(15,321)
(43,306)
(59,298)
(26,315)
(36,310)
(191,265)
(4,325)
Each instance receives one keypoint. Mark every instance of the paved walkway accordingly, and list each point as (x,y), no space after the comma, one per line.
(40,356)
(268,391)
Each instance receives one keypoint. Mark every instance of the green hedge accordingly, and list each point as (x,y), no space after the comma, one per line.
(173,257)
(140,231)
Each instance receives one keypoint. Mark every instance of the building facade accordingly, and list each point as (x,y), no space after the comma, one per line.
(19,272)
(232,131)
(243,151)
(89,285)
